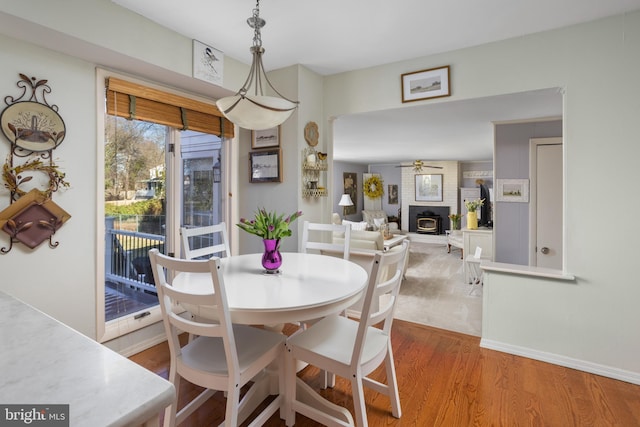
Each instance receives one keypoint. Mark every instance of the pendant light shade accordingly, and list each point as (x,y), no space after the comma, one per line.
(256,112)
(250,108)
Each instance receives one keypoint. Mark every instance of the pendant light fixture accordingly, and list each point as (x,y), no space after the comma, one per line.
(250,108)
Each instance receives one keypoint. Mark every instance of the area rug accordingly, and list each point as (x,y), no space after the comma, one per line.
(434,292)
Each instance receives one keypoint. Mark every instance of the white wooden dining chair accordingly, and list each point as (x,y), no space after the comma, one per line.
(352,348)
(318,238)
(199,242)
(223,357)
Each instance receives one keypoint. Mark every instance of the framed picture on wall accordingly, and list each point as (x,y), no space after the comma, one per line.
(512,190)
(265,138)
(429,188)
(424,84)
(392,190)
(350,181)
(265,166)
(208,63)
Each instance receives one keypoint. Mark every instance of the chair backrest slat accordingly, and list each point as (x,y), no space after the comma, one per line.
(208,233)
(325,230)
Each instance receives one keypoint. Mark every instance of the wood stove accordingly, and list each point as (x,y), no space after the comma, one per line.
(438,214)
(428,223)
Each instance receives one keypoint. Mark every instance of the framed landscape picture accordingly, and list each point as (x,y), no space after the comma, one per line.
(265,166)
(432,83)
(265,138)
(512,190)
(429,188)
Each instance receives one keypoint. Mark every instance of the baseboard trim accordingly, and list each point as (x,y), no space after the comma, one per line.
(567,362)
(143,345)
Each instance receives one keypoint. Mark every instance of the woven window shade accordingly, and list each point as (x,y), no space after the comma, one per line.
(134,101)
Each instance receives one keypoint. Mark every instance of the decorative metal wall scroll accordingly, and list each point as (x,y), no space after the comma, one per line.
(34,129)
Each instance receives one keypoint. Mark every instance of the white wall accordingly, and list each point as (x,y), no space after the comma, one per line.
(594,319)
(60,281)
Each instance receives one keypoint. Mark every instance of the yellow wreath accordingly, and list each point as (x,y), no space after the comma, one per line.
(13,179)
(373,187)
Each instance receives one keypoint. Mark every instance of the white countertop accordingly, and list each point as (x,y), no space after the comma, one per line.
(43,361)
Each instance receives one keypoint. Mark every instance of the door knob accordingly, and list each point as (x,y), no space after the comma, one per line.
(544,250)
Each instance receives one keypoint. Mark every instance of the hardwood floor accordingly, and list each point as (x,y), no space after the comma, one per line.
(446,379)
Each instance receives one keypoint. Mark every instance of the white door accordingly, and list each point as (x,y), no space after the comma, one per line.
(547,200)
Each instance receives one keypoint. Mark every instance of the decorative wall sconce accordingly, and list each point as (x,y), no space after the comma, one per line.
(34,129)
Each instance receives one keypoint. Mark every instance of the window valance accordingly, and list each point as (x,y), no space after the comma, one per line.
(135,101)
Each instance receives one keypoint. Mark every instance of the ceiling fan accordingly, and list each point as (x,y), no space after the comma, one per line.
(417,166)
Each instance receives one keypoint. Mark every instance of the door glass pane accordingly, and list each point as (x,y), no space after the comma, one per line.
(135,212)
(201,184)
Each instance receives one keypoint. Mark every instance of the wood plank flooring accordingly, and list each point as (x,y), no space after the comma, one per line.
(446,379)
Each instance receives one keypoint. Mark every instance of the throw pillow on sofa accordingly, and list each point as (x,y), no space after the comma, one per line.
(377,222)
(359,226)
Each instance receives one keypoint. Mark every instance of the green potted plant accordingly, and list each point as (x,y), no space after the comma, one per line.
(271,227)
(455,221)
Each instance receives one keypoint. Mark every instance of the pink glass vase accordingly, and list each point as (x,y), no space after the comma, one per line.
(271,258)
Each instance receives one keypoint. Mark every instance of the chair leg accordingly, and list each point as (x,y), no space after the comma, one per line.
(359,405)
(289,387)
(329,380)
(233,402)
(392,384)
(170,415)
(171,411)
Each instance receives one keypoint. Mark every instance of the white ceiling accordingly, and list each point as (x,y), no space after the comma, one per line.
(333,36)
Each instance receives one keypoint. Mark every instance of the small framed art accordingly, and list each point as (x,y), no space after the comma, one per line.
(265,138)
(429,188)
(265,166)
(208,63)
(512,190)
(393,194)
(432,83)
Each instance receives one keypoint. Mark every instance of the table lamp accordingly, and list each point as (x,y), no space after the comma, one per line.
(344,202)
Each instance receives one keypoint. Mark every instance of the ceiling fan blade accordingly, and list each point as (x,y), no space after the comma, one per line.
(418,165)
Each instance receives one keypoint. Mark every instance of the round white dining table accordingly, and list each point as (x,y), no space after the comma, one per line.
(309,286)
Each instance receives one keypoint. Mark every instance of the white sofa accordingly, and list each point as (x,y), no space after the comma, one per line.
(360,237)
(364,244)
(374,218)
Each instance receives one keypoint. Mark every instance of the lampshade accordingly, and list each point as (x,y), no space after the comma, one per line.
(345,201)
(250,108)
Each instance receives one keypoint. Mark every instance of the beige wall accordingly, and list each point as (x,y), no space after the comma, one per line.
(586,323)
